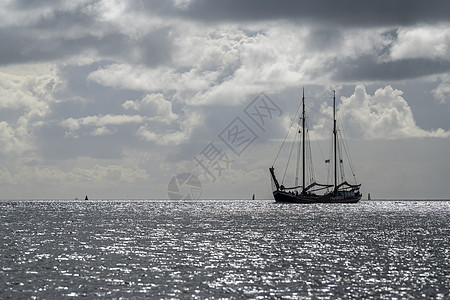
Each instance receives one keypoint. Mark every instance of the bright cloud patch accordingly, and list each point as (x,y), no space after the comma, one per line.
(422,42)
(162,126)
(176,134)
(100,124)
(219,65)
(11,140)
(442,92)
(201,63)
(384,115)
(26,93)
(154,106)
(154,121)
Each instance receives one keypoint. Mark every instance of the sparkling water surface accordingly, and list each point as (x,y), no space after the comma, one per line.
(224,249)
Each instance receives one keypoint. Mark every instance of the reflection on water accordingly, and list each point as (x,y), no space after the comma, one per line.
(232,249)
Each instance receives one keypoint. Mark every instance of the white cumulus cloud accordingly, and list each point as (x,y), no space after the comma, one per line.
(384,115)
(99,123)
(422,42)
(26,93)
(172,135)
(442,91)
(154,106)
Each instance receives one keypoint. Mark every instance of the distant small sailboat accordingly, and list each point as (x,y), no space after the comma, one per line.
(86,198)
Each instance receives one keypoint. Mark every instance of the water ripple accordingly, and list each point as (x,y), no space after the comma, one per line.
(225,249)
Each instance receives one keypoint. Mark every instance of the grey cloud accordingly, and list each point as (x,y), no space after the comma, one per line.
(62,34)
(60,20)
(366,68)
(97,96)
(346,12)
(26,4)
(324,38)
(54,145)
(22,47)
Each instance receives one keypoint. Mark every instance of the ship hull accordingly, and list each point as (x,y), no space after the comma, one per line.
(286,197)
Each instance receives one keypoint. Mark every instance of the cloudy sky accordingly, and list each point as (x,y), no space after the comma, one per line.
(114,98)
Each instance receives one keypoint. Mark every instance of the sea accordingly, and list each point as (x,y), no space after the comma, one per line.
(224,249)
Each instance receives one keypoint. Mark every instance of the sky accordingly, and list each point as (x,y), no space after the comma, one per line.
(120,99)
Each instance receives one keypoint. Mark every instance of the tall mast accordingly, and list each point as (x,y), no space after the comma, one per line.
(303,140)
(335,141)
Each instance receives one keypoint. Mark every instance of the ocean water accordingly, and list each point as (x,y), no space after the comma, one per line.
(224,249)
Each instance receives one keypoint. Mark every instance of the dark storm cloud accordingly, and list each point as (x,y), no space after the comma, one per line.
(59,20)
(30,4)
(344,12)
(63,34)
(324,38)
(22,46)
(365,68)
